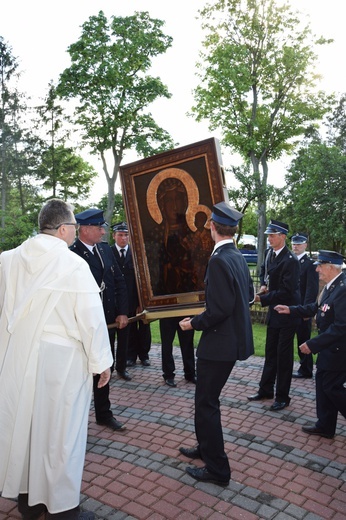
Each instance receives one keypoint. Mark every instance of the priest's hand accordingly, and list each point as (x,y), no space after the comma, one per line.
(104,378)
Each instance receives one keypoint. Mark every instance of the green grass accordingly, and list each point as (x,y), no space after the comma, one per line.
(258,330)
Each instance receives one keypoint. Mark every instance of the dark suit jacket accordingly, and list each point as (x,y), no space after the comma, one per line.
(330,344)
(308,280)
(128,270)
(226,323)
(114,295)
(283,285)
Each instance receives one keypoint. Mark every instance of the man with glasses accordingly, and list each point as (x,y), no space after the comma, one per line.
(329,344)
(109,278)
(53,338)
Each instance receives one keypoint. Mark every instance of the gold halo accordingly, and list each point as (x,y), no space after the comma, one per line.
(191,190)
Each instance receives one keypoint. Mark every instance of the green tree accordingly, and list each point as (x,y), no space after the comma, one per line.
(9,106)
(316,184)
(108,79)
(60,170)
(337,125)
(64,174)
(257,84)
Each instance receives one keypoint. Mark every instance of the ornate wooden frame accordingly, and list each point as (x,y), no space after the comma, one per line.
(195,174)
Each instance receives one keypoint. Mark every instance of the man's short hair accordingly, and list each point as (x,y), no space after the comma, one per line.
(225,231)
(53,213)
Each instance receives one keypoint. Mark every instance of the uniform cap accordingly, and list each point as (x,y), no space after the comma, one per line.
(120,226)
(329,257)
(275,227)
(91,217)
(299,238)
(223,213)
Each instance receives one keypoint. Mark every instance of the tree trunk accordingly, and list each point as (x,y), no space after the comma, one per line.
(262,214)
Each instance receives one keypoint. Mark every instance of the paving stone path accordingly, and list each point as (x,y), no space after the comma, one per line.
(278,472)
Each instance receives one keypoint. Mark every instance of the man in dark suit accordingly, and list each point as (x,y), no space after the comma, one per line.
(309,285)
(226,336)
(279,283)
(330,344)
(135,339)
(113,294)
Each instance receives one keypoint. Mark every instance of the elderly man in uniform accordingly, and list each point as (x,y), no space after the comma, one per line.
(109,278)
(309,285)
(226,336)
(280,284)
(329,344)
(53,338)
(135,340)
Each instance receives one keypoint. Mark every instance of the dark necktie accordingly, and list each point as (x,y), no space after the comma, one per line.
(122,256)
(97,255)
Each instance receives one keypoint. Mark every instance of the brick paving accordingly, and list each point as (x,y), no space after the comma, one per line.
(278,472)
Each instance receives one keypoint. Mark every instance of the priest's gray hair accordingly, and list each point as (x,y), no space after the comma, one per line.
(53,213)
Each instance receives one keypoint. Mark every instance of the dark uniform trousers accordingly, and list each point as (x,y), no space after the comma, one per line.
(102,402)
(331,399)
(212,376)
(303,333)
(278,363)
(168,328)
(139,341)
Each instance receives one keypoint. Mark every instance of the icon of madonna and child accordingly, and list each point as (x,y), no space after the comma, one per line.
(179,243)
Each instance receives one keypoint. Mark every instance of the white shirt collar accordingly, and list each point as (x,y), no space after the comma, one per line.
(119,248)
(222,243)
(278,251)
(88,246)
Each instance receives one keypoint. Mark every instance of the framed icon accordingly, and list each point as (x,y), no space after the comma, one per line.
(168,201)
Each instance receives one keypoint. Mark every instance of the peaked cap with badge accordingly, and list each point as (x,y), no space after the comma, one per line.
(275,228)
(329,257)
(224,214)
(91,217)
(120,226)
(299,238)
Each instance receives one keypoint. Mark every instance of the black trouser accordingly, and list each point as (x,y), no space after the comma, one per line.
(330,399)
(168,328)
(102,403)
(303,333)
(34,512)
(278,363)
(139,341)
(211,378)
(121,350)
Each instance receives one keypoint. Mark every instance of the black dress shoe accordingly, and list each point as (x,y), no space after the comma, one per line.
(203,475)
(259,397)
(124,375)
(313,430)
(190,453)
(170,382)
(298,375)
(276,406)
(191,379)
(113,424)
(130,363)
(145,363)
